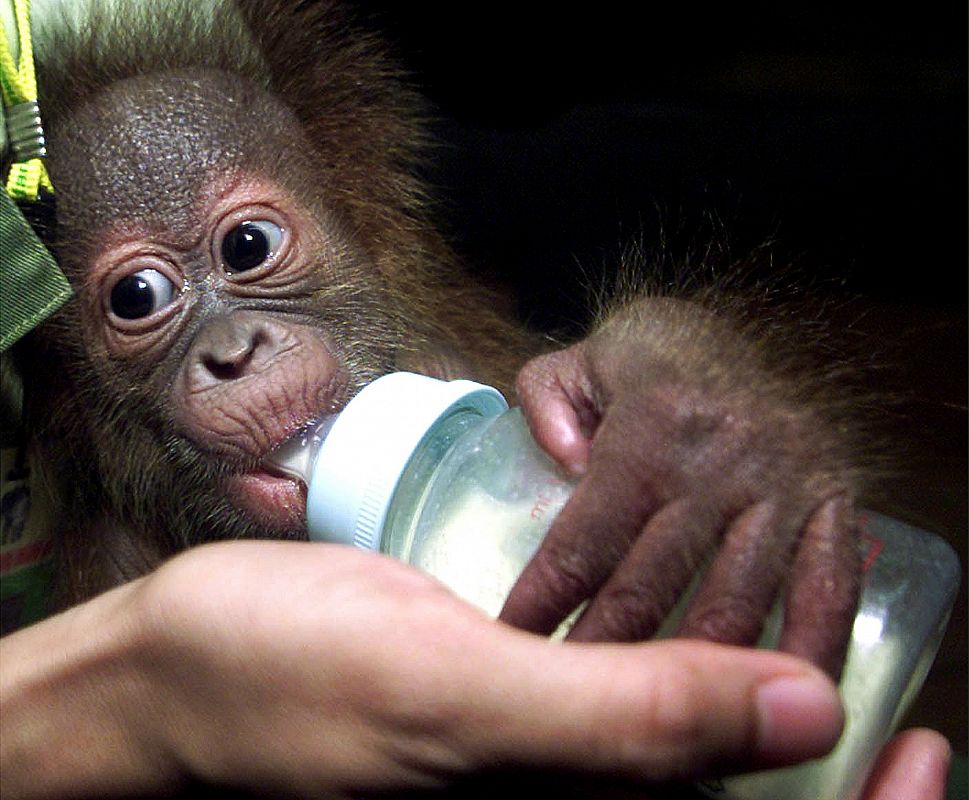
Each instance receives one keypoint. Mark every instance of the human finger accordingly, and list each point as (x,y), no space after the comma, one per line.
(913,766)
(652,712)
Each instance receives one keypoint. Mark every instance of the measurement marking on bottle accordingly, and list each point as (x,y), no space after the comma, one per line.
(875,546)
(547,496)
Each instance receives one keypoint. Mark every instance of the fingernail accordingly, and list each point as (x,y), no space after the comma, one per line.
(799,718)
(577,468)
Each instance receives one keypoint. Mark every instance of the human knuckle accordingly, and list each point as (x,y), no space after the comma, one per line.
(176,590)
(678,707)
(669,739)
(407,709)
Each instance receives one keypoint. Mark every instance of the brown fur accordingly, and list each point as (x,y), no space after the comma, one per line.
(306,100)
(315,59)
(363,145)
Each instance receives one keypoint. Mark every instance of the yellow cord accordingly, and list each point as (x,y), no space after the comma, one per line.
(19,85)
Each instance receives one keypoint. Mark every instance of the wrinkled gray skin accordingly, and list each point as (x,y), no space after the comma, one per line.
(690,440)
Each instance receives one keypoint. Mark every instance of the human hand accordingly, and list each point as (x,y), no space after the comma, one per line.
(912,766)
(688,443)
(306,669)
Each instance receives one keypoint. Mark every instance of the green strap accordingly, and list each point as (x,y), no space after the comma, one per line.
(18,82)
(32,287)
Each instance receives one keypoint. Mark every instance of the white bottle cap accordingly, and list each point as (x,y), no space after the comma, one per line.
(370,444)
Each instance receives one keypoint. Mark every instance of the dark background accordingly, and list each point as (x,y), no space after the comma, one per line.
(839,130)
(836,130)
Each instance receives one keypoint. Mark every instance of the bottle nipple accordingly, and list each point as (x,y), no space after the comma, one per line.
(296,456)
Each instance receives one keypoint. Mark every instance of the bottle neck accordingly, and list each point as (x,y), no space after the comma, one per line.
(369,447)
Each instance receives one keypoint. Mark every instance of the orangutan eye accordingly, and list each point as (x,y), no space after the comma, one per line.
(141,294)
(250,244)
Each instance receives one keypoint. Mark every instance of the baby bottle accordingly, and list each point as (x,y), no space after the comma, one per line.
(443,475)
